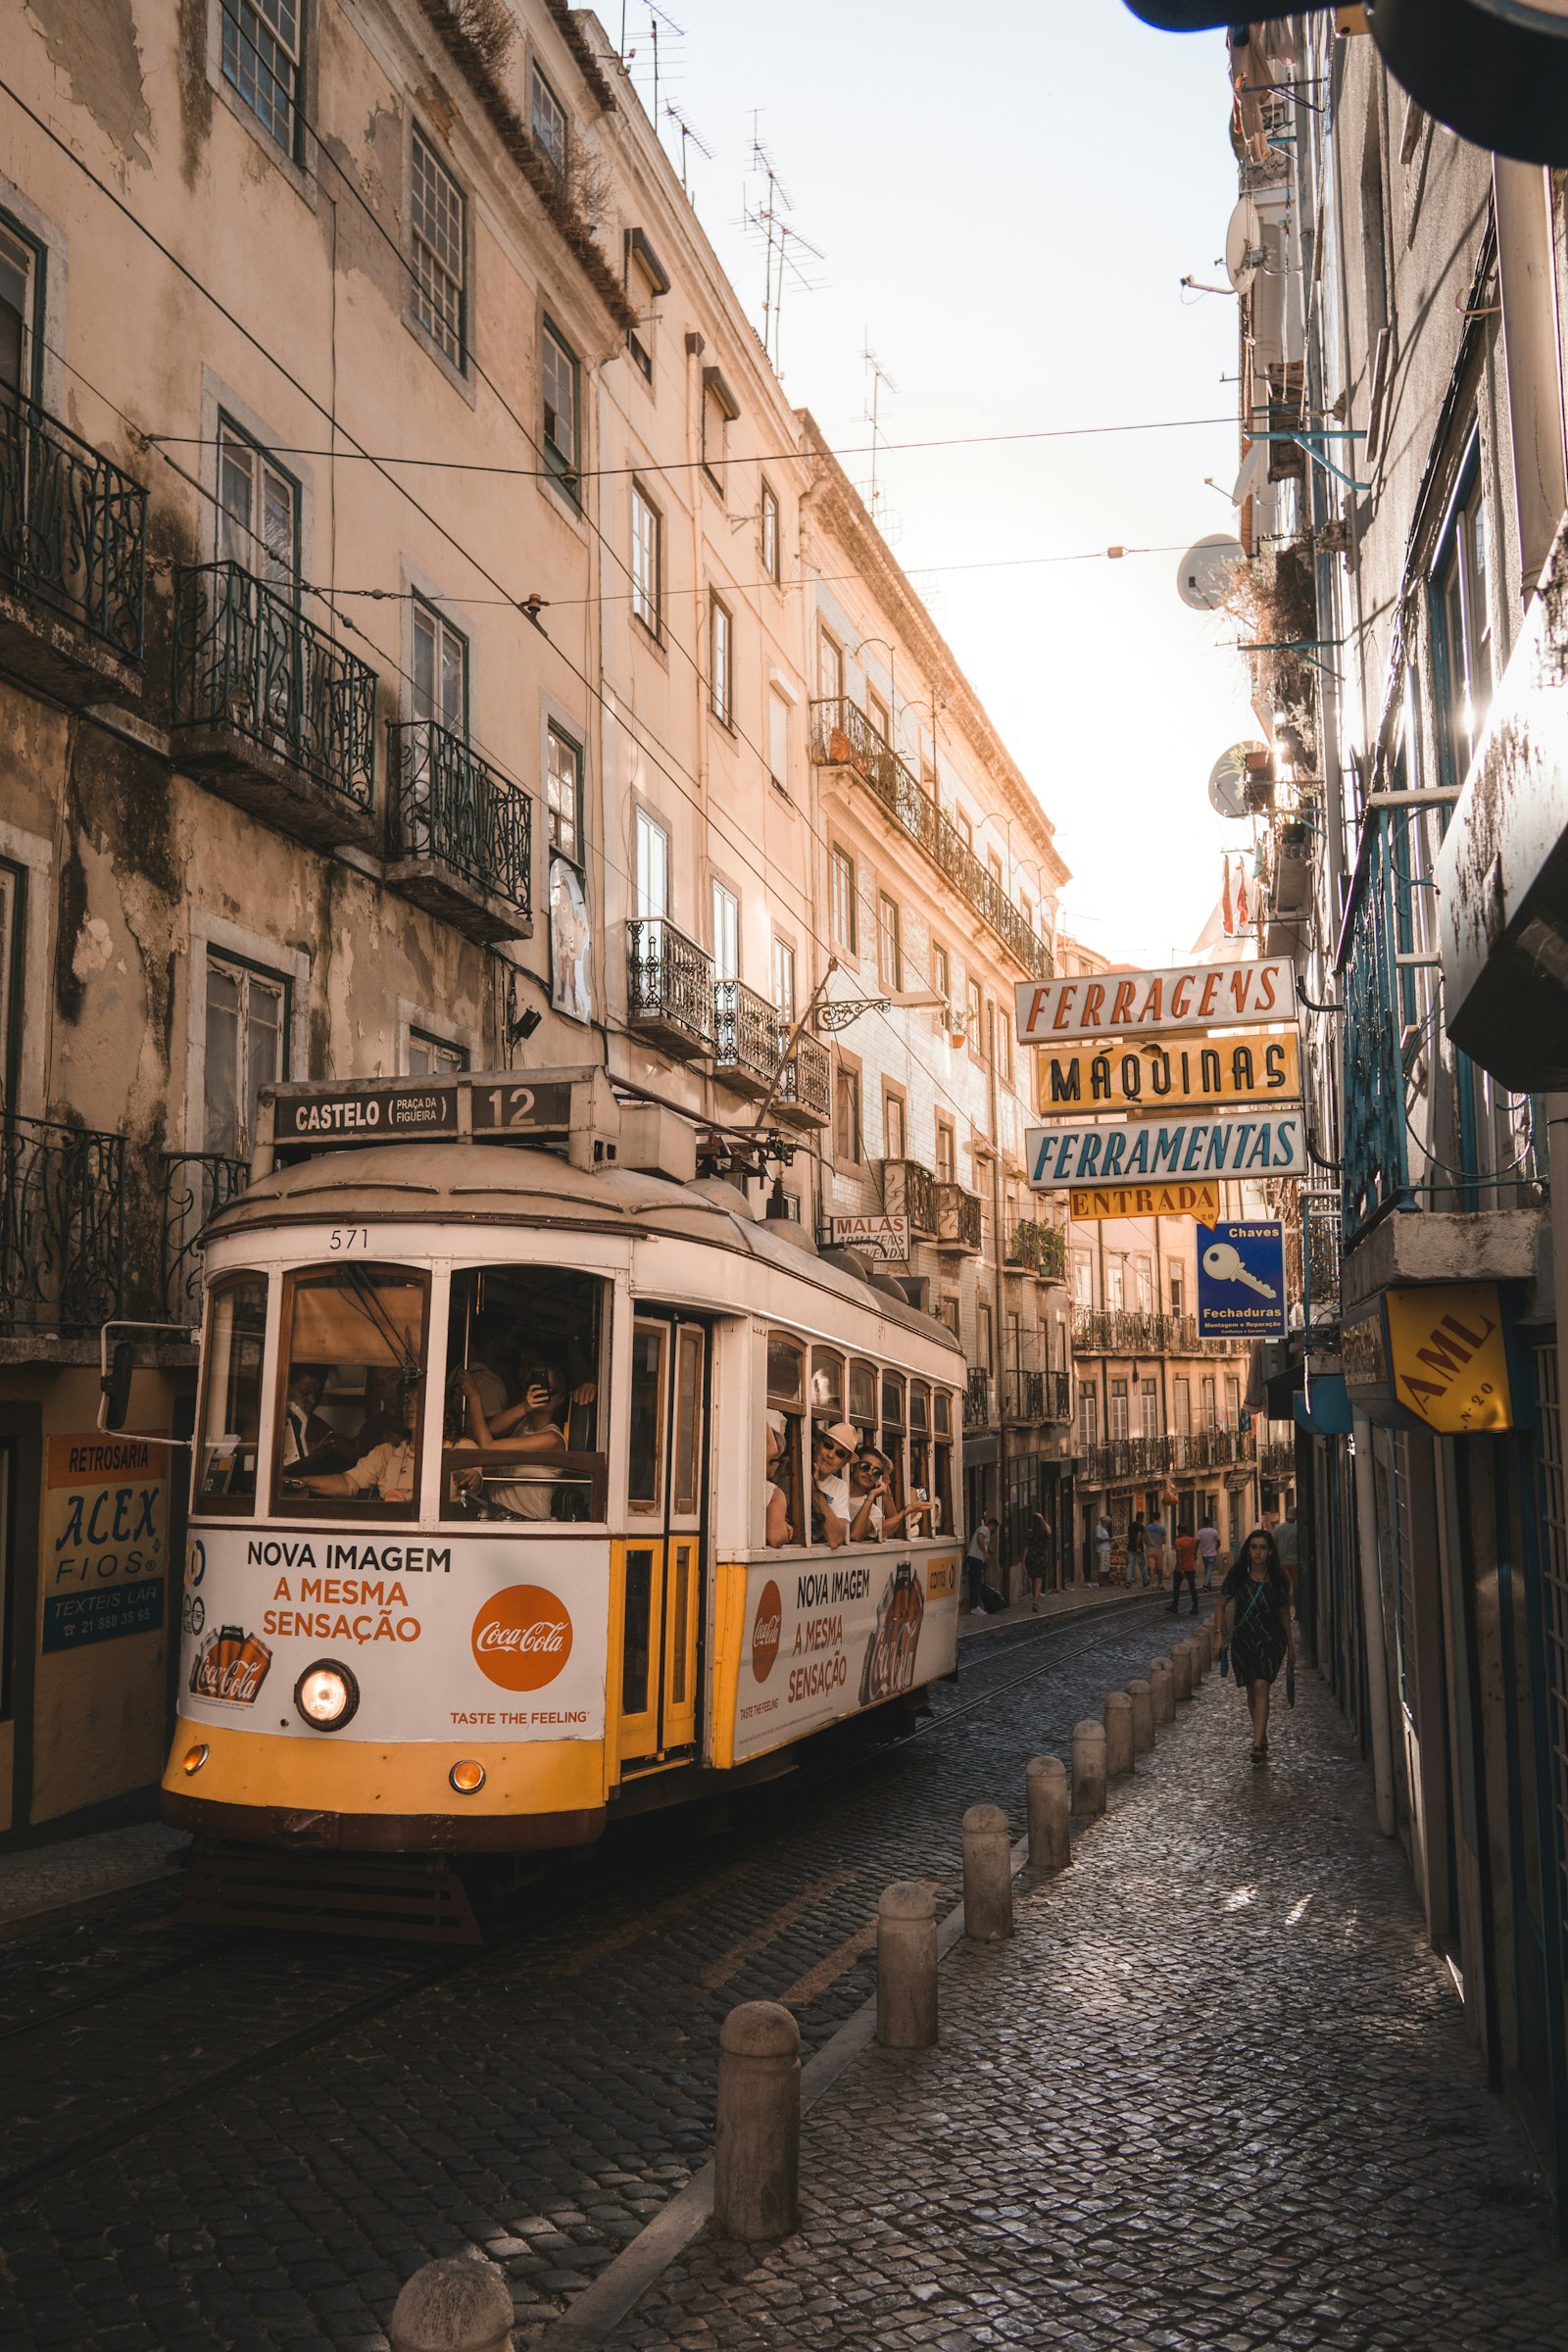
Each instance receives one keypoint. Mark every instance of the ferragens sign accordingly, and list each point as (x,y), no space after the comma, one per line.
(1183,996)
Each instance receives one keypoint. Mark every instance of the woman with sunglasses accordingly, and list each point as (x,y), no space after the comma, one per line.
(1254,1613)
(871,1498)
(831,1450)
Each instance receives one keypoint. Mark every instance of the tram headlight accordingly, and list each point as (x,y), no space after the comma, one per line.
(468,1776)
(326,1695)
(195,1757)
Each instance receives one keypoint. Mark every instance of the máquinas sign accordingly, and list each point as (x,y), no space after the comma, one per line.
(1183,996)
(1179,1073)
(1259,1142)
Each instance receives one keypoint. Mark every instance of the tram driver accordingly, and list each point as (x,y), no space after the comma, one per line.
(390,1469)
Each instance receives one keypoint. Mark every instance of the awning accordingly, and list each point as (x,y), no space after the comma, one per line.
(1494,71)
(1324,1411)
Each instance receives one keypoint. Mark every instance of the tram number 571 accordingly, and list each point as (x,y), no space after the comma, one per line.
(351,1237)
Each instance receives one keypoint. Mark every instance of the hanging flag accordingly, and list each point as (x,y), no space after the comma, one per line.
(1243,917)
(1226,897)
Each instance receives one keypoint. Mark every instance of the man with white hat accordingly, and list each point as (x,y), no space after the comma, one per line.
(831,1449)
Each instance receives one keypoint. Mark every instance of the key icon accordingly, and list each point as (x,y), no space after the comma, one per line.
(1223,1260)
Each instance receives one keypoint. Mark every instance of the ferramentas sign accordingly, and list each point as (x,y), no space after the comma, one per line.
(1179,1073)
(1257,1143)
(1102,1006)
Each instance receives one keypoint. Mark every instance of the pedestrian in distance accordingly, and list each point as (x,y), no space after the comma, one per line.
(1209,1546)
(1039,1554)
(1137,1565)
(1184,1571)
(1288,1544)
(1102,1542)
(1254,1632)
(1154,1550)
(976,1559)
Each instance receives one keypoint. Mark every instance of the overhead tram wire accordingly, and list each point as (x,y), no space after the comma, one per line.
(655,754)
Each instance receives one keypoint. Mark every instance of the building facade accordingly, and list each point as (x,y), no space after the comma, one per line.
(412,587)
(1401,504)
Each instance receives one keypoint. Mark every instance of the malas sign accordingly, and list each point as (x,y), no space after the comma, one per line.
(1494,71)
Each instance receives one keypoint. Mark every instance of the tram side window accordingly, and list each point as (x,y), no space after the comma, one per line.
(351,1412)
(921,1488)
(783,1512)
(893,1436)
(942,1425)
(524,1395)
(231,1405)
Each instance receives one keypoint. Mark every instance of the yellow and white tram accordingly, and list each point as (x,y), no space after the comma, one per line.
(513,1496)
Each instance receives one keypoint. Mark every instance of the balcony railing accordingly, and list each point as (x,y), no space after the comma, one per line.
(670,986)
(73,529)
(979,1399)
(196,1186)
(842,736)
(1320,1265)
(1039,1249)
(909,1189)
(1059,1396)
(805,1085)
(1122,1460)
(62,1226)
(747,1039)
(1122,1330)
(461,835)
(1277,1459)
(1037,1396)
(248,663)
(1214,1448)
(958,1222)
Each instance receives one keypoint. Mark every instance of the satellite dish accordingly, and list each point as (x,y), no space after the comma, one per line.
(1245,249)
(1205,573)
(1228,778)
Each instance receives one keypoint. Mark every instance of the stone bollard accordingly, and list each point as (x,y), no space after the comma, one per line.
(1204,1637)
(987,1874)
(1050,1825)
(1088,1768)
(907,1967)
(757,2152)
(1119,1754)
(1181,1660)
(1143,1699)
(458,2304)
(1196,1648)
(1163,1687)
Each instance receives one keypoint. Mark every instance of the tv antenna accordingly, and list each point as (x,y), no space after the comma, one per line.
(872,413)
(785,251)
(688,138)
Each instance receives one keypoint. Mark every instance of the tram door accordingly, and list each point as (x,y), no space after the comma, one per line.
(663,1590)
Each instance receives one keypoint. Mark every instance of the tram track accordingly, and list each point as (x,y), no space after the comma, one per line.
(18,2186)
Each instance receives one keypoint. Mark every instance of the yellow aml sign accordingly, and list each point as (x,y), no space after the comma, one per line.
(1449,1362)
(1200,1200)
(1175,1073)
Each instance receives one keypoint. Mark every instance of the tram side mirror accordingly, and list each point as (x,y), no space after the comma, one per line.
(116,1385)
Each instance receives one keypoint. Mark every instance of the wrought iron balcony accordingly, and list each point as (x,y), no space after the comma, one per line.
(461,836)
(1277,1459)
(805,1097)
(62,1226)
(842,736)
(746,1038)
(957,1220)
(73,559)
(1320,1269)
(1023,1396)
(1217,1448)
(196,1186)
(1037,1248)
(1122,1330)
(979,1402)
(1121,1460)
(1059,1396)
(669,987)
(271,709)
(909,1189)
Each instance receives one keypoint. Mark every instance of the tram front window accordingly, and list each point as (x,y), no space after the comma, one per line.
(350,1415)
(232,1404)
(524,1394)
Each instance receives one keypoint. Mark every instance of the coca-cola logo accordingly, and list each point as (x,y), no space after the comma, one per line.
(522,1638)
(766,1627)
(233,1667)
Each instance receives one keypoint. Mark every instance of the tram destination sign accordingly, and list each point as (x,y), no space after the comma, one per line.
(1122,1151)
(1187,1072)
(1101,1006)
(390,1112)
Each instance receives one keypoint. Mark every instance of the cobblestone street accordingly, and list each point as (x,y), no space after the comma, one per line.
(1214,2093)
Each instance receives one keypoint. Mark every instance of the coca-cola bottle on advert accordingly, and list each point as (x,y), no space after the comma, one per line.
(908,1608)
(890,1652)
(207,1675)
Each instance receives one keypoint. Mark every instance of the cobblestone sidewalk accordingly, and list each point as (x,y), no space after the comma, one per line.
(58,1881)
(1215,2092)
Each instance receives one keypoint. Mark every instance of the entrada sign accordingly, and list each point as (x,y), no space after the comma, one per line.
(1263,1142)
(1183,996)
(1200,1200)
(1184,1073)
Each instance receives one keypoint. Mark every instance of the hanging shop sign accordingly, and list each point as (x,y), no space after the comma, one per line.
(1241,1281)
(1102,1006)
(1178,1073)
(1260,1143)
(1431,1358)
(886,1239)
(1200,1200)
(105,1539)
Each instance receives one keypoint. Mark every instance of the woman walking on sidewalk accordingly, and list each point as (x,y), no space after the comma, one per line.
(1254,1619)
(1039,1551)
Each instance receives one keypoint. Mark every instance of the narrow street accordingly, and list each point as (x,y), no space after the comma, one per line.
(207,2147)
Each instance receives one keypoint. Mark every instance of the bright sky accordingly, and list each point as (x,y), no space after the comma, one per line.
(1005,212)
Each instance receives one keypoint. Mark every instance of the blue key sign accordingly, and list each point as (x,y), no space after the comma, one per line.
(1241,1282)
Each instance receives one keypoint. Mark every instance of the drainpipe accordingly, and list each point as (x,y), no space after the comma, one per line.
(1377,1666)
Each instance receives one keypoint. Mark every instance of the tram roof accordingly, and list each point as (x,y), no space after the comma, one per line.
(467,1183)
